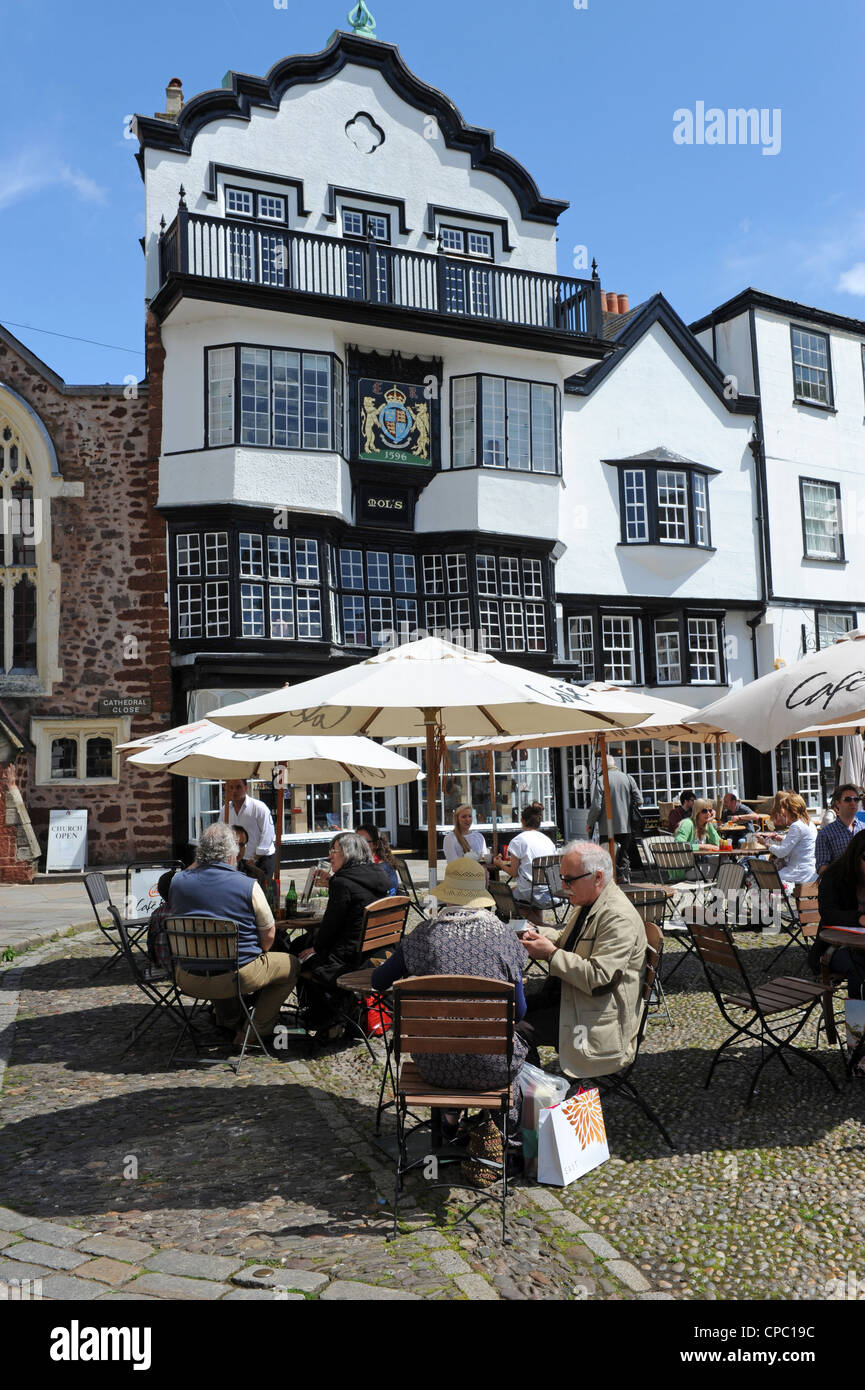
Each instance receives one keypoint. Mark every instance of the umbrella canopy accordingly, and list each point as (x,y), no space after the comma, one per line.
(430,685)
(824,688)
(211,751)
(468,693)
(853,760)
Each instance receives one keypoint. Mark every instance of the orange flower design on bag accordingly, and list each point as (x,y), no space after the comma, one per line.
(584,1113)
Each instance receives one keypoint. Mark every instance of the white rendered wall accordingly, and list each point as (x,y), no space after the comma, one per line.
(655,397)
(305,139)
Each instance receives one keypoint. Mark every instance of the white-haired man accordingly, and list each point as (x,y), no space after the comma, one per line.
(589,1006)
(213,888)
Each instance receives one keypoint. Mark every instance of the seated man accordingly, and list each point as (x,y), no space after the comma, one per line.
(589,1007)
(735,810)
(244,865)
(681,812)
(213,888)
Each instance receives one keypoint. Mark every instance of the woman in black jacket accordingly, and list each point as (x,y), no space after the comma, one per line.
(841,898)
(328,952)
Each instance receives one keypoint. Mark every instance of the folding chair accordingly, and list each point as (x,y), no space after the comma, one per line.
(155,983)
(194,941)
(651,903)
(768,880)
(405,878)
(461,1016)
(384,924)
(672,861)
(547,873)
(107,916)
(780,999)
(620,1083)
(509,910)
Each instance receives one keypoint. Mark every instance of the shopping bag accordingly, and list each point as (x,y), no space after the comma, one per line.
(854,1017)
(572,1139)
(379,1019)
(538,1090)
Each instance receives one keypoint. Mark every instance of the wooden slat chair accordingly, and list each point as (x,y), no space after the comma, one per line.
(106,915)
(405,878)
(157,986)
(651,903)
(547,873)
(768,880)
(462,1016)
(782,1001)
(620,1083)
(210,941)
(805,900)
(383,929)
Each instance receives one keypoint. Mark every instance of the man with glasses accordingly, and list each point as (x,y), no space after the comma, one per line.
(589,1007)
(834,838)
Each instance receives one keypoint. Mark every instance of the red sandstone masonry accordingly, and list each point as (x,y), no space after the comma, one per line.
(110,546)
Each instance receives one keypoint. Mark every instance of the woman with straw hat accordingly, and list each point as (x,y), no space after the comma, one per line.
(464,938)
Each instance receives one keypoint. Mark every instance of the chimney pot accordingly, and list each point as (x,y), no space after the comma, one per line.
(623,303)
(174,97)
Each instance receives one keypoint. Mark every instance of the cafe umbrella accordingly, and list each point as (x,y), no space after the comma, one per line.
(208,750)
(439,688)
(825,688)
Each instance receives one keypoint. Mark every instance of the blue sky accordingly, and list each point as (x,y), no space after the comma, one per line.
(585,98)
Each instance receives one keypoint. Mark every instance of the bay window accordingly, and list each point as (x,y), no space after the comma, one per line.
(274,398)
(504,423)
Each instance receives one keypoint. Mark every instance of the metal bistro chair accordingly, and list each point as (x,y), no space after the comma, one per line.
(194,941)
(651,903)
(773,1004)
(384,924)
(547,873)
(620,1082)
(462,1016)
(405,878)
(157,986)
(673,860)
(107,916)
(509,910)
(768,880)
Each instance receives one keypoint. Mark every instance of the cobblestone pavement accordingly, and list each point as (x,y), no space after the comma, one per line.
(268,1185)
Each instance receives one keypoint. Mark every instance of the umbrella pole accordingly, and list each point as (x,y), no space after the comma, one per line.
(491,769)
(608,805)
(279,786)
(718,778)
(432,779)
(227,804)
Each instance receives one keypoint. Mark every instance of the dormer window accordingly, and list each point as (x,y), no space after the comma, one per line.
(664,500)
(460,241)
(262,207)
(365,226)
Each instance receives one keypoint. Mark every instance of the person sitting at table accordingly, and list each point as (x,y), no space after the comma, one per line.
(331,948)
(841,899)
(213,888)
(834,836)
(733,809)
(381,852)
(681,812)
(699,827)
(244,865)
(794,850)
(462,840)
(529,845)
(465,937)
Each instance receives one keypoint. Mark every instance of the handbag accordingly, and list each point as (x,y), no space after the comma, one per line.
(485,1141)
(572,1139)
(379,1019)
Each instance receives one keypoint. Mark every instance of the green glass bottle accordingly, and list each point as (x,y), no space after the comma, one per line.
(291,900)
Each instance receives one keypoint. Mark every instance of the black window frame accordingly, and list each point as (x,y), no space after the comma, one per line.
(365,235)
(645,638)
(466,232)
(809,400)
(337,400)
(651,471)
(841,557)
(507,470)
(255,216)
(848,613)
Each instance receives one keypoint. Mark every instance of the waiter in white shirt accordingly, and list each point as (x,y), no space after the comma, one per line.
(257,821)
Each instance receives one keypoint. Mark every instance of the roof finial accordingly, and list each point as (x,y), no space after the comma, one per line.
(362,21)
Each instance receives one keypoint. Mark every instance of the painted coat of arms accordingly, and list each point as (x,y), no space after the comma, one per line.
(394,421)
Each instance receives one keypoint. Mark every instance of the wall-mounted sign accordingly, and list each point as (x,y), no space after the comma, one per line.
(392,507)
(67,841)
(120,706)
(394,422)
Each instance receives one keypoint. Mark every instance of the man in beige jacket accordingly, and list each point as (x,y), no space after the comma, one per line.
(590,1005)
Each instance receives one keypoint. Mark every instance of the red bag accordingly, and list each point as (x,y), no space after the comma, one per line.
(379,1019)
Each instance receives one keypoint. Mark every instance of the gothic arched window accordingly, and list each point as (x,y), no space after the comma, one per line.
(20,533)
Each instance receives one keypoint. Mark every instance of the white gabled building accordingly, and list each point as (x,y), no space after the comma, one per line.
(807,368)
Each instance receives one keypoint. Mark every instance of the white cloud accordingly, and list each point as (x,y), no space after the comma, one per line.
(852,281)
(34,171)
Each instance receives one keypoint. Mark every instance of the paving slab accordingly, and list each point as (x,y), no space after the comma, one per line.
(53,1233)
(474,1286)
(51,1256)
(117,1248)
(107,1271)
(15,1220)
(217,1267)
(270,1294)
(171,1286)
(66,1287)
(305,1280)
(346,1291)
(629,1275)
